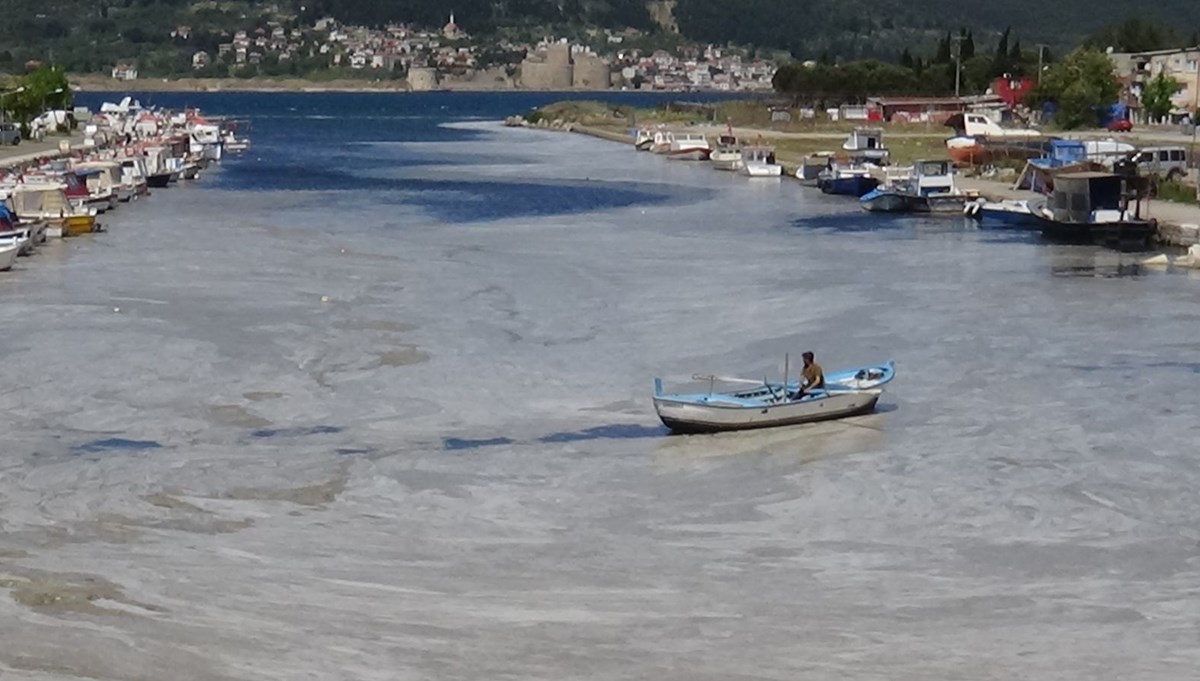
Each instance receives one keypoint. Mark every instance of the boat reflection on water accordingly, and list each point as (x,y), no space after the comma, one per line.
(1094,261)
(795,444)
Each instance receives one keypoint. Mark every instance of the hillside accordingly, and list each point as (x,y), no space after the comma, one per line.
(883,28)
(90,35)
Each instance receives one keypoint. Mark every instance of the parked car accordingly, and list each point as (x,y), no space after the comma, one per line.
(1169,163)
(1120,125)
(10,134)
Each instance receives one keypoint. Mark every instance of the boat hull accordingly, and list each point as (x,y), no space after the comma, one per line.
(76,225)
(158,181)
(876,201)
(8,256)
(684,417)
(762,170)
(1126,235)
(1002,214)
(688,154)
(726,161)
(882,201)
(856,186)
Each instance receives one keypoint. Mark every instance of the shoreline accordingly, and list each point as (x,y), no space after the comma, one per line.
(1177,224)
(94,83)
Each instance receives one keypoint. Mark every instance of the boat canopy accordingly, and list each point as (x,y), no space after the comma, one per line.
(1077,196)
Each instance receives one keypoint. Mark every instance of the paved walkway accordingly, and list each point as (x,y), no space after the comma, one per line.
(29,150)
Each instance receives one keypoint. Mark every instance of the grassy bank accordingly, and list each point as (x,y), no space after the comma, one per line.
(792,139)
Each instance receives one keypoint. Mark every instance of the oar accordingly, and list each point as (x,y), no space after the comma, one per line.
(727,379)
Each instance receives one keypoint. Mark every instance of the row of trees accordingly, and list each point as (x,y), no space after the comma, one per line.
(955,61)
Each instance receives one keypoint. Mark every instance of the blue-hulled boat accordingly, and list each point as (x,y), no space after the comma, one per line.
(767,404)
(847,182)
(1008,213)
(930,190)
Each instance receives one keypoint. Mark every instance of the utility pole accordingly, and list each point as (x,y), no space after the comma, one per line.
(957,60)
(1195,112)
(1041,51)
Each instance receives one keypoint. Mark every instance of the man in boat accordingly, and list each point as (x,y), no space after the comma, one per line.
(812,377)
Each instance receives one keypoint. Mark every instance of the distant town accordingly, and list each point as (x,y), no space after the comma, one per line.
(450,58)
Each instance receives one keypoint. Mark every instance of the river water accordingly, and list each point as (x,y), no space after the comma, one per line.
(372,402)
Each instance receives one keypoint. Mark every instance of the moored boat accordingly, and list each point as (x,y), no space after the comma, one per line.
(1008,212)
(853,181)
(1098,208)
(643,138)
(689,146)
(758,160)
(47,203)
(865,145)
(765,404)
(930,190)
(728,153)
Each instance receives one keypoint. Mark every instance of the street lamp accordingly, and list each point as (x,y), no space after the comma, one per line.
(1041,51)
(3,111)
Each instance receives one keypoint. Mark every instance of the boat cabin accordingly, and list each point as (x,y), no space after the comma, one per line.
(1096,197)
(866,144)
(759,153)
(933,177)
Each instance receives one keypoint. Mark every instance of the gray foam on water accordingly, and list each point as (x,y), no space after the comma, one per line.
(505,504)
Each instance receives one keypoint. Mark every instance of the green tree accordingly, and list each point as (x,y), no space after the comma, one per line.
(1156,96)
(967,49)
(1081,86)
(42,89)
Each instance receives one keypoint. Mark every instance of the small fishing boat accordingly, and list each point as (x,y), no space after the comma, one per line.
(1098,208)
(765,404)
(853,181)
(689,146)
(46,203)
(865,145)
(728,154)
(758,160)
(643,138)
(931,190)
(1008,212)
(811,166)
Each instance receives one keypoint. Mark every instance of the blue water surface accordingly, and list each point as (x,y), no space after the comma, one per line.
(356,142)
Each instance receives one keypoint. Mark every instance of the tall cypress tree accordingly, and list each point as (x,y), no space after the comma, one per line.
(943,55)
(967,49)
(1000,61)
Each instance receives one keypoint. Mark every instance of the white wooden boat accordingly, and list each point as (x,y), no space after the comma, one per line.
(727,155)
(758,160)
(689,146)
(643,138)
(766,404)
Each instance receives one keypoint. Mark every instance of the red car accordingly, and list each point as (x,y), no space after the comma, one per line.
(1120,125)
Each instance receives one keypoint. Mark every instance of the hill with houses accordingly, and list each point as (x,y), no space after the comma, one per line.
(286,38)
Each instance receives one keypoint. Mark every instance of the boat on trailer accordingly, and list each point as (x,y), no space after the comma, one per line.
(766,404)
